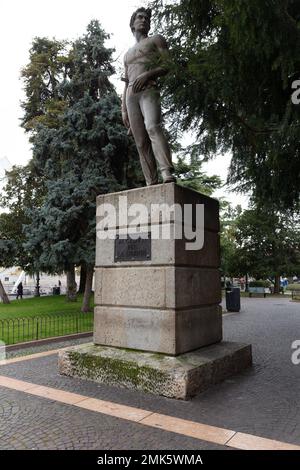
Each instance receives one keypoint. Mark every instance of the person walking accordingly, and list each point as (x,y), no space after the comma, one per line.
(20,291)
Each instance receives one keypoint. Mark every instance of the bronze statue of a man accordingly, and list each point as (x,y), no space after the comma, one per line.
(141,109)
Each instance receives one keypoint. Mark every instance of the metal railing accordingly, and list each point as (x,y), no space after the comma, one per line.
(20,330)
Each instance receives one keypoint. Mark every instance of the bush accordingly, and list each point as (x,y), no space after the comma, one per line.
(293,287)
(260,283)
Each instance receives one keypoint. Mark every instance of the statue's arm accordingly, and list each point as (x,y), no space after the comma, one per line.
(163,55)
(159,71)
(124,106)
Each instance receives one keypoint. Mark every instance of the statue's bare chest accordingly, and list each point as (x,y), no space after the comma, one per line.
(141,52)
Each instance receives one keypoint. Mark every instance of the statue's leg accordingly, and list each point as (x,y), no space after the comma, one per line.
(151,110)
(142,140)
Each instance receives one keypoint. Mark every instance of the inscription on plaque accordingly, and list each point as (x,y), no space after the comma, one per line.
(130,249)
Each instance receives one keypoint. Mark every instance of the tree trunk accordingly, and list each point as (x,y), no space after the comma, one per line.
(3,294)
(277,284)
(82,279)
(37,286)
(247,283)
(88,289)
(71,285)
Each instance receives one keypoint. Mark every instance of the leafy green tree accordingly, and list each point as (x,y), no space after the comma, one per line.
(231,265)
(23,191)
(45,100)
(87,152)
(232,65)
(188,173)
(8,247)
(267,244)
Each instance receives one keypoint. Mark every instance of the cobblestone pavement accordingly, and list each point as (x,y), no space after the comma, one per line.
(263,401)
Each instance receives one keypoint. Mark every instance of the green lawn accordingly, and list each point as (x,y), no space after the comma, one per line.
(42,317)
(37,306)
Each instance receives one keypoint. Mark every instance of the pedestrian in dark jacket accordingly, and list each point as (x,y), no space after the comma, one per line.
(20,291)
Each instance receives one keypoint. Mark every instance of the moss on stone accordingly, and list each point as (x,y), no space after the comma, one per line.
(116,370)
(160,356)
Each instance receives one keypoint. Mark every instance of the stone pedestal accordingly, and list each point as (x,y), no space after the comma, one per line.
(179,377)
(170,302)
(158,296)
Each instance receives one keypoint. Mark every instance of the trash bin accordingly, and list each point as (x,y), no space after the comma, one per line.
(56,290)
(233,299)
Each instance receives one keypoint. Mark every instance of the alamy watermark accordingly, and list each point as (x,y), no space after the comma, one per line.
(296,94)
(162,221)
(296,354)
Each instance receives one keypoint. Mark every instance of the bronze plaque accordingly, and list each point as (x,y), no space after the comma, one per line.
(130,249)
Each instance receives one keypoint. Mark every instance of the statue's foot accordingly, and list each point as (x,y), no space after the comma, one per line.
(168,178)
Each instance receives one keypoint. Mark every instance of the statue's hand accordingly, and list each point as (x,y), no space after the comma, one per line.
(139,83)
(125,119)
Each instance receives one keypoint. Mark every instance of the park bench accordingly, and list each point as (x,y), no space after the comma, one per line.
(257,290)
(296,294)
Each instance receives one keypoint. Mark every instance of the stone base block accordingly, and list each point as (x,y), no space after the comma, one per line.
(178,377)
(170,332)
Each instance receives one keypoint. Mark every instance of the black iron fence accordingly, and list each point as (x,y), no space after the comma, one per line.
(19,330)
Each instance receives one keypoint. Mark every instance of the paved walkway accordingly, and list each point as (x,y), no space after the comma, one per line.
(260,403)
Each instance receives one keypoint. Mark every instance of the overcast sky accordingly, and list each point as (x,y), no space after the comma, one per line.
(21,21)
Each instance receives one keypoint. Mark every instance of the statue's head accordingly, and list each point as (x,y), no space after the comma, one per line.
(140,20)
